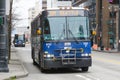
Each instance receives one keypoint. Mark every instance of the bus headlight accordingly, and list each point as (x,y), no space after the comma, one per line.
(23,43)
(85,54)
(15,43)
(46,52)
(48,55)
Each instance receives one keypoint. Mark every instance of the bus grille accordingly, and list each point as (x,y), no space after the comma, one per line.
(68,56)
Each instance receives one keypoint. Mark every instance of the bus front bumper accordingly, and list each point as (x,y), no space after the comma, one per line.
(19,45)
(78,63)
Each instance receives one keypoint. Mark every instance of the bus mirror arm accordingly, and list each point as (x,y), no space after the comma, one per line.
(42,38)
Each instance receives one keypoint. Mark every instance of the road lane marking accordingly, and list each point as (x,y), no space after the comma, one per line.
(83,77)
(86,77)
(107,60)
(93,77)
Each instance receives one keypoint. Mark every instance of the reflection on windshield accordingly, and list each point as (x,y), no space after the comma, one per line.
(20,37)
(57,28)
(81,31)
(79,27)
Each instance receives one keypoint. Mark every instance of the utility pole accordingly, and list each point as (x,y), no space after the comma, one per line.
(119,27)
(3,38)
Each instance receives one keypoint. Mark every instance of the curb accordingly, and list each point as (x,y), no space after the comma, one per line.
(26,73)
(106,51)
(18,76)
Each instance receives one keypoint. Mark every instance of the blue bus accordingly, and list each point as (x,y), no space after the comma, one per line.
(19,40)
(60,38)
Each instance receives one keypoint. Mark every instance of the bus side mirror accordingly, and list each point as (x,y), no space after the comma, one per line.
(38,31)
(93,32)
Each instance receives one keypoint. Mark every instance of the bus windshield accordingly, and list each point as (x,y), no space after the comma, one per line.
(62,28)
(19,37)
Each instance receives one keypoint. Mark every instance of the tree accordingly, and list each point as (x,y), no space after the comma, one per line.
(9,28)
(13,19)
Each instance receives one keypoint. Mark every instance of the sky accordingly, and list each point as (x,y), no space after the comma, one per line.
(21,8)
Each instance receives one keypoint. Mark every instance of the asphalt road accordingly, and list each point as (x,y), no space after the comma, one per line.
(105,66)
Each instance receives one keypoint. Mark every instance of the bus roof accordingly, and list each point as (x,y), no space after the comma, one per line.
(66,8)
(65,11)
(60,8)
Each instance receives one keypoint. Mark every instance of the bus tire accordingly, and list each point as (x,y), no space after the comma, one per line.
(84,69)
(42,70)
(33,57)
(23,46)
(39,60)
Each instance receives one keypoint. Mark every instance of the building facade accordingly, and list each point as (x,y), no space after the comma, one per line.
(55,3)
(104,19)
(7,7)
(91,5)
(31,14)
(107,21)
(78,2)
(38,7)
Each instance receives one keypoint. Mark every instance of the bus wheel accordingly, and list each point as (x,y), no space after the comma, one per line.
(39,60)
(34,62)
(33,57)
(42,70)
(23,46)
(84,69)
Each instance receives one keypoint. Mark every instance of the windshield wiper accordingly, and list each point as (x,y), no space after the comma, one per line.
(73,36)
(63,32)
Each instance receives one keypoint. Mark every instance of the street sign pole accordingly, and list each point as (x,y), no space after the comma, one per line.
(3,38)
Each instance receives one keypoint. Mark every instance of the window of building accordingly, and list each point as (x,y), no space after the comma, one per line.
(112,14)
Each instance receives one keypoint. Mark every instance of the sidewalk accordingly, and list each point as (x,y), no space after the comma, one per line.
(107,51)
(16,68)
(103,49)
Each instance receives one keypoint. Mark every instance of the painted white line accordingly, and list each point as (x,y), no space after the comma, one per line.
(83,77)
(93,77)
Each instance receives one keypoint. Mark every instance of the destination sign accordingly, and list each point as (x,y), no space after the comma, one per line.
(67,13)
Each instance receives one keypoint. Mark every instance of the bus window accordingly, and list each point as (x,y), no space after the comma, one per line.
(46,27)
